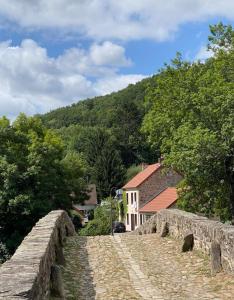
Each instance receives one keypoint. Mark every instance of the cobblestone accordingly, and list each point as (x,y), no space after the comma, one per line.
(139,267)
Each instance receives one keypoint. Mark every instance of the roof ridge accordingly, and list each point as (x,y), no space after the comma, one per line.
(134,182)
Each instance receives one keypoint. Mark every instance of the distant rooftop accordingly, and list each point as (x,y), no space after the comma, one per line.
(165,199)
(142,176)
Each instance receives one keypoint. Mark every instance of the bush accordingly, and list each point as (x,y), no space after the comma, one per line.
(91,215)
(76,219)
(132,171)
(4,254)
(96,227)
(101,224)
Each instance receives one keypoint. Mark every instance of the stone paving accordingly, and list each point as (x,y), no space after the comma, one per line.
(139,267)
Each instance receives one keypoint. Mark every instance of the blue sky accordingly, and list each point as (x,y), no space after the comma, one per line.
(54,53)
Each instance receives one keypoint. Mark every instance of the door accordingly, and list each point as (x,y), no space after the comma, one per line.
(132,222)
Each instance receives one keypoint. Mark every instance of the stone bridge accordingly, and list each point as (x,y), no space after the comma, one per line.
(151,263)
(33,271)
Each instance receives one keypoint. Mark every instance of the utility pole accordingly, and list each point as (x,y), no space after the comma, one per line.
(111,217)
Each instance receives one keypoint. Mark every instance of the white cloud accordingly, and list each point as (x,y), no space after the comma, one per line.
(203,54)
(108,19)
(107,85)
(31,81)
(109,54)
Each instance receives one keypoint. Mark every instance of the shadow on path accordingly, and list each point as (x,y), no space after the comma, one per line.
(78,274)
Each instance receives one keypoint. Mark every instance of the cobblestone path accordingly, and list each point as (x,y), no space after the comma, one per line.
(139,267)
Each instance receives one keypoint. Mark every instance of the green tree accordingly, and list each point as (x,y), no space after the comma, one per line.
(4,255)
(35,178)
(191,120)
(221,38)
(133,171)
(101,224)
(121,113)
(75,168)
(100,150)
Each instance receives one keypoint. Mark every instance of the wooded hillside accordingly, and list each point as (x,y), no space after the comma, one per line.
(185,113)
(107,131)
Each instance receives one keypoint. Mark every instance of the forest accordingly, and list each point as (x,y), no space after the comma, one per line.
(107,132)
(184,113)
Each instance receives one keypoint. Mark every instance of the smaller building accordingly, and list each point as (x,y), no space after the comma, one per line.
(165,199)
(89,204)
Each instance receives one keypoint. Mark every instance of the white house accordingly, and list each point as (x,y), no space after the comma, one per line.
(149,191)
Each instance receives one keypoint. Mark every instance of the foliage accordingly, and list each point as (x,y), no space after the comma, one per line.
(4,255)
(121,113)
(101,224)
(76,219)
(132,171)
(75,167)
(221,38)
(90,214)
(188,116)
(100,150)
(191,121)
(35,178)
(106,130)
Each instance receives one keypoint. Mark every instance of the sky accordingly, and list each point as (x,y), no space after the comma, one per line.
(56,52)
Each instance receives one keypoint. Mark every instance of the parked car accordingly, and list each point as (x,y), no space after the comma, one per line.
(118,227)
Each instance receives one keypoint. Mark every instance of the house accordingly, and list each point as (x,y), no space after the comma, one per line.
(149,191)
(89,204)
(165,199)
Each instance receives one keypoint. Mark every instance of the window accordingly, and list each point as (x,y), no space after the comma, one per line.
(135,219)
(131,198)
(127,219)
(141,219)
(135,196)
(127,197)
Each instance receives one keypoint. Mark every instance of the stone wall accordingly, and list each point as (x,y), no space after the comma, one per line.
(205,232)
(27,275)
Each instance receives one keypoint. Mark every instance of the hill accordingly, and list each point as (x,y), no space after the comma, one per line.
(107,124)
(104,111)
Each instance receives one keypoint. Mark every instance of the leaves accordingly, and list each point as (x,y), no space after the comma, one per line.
(191,120)
(34,176)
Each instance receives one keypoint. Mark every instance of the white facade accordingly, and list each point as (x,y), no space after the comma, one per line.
(132,218)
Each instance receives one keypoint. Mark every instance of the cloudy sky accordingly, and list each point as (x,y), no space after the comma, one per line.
(56,52)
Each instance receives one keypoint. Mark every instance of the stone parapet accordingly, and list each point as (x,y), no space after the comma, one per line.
(205,232)
(27,274)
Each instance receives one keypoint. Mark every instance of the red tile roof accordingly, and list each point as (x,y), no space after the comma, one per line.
(142,176)
(163,200)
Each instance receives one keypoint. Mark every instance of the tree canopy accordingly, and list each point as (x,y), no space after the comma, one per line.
(121,113)
(187,117)
(35,176)
(191,121)
(106,132)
